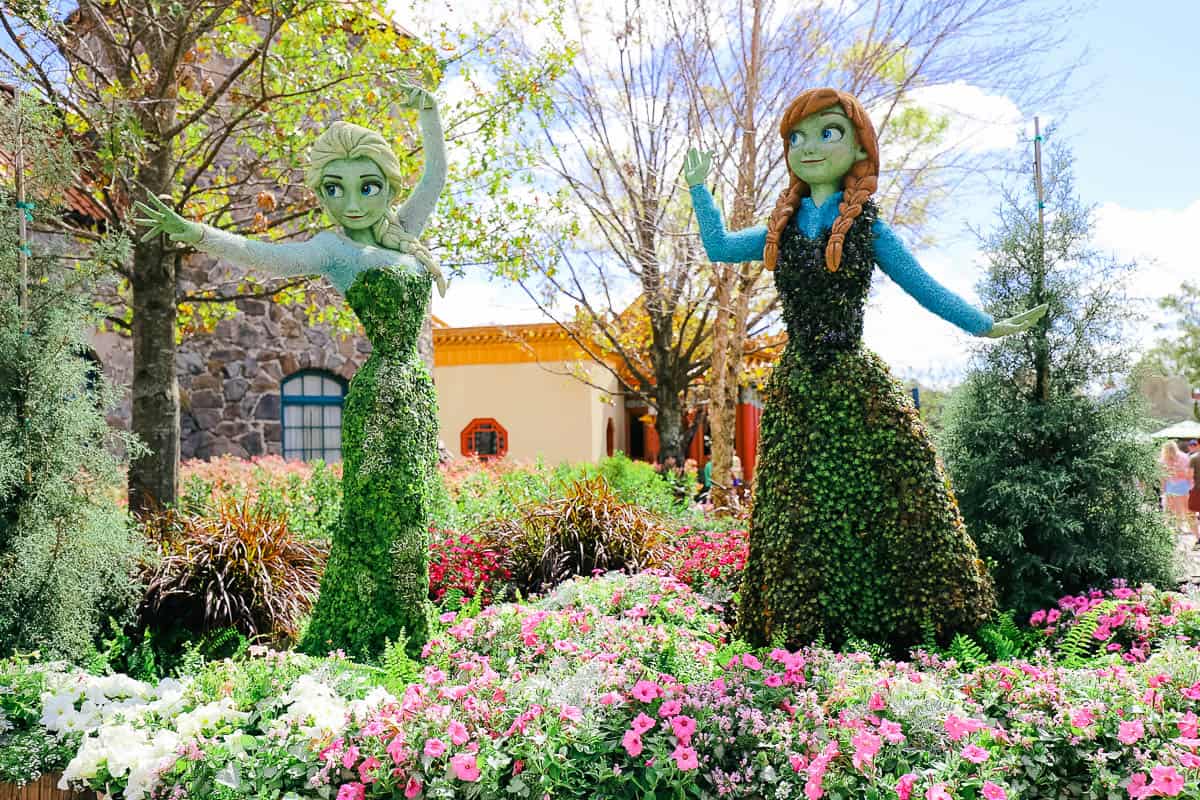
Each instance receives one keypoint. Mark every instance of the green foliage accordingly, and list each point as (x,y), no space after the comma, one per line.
(152,653)
(855,532)
(1079,643)
(1054,485)
(27,750)
(587,530)
(1177,351)
(67,553)
(377,582)
(399,669)
(240,568)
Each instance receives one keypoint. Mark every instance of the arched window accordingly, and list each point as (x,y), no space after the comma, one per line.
(312,416)
(485,439)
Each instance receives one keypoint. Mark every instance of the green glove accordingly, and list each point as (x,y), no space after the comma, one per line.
(1018,324)
(161,219)
(696,166)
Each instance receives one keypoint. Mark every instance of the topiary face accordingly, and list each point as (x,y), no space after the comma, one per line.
(355,193)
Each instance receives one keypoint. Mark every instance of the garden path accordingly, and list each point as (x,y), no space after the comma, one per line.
(1190,556)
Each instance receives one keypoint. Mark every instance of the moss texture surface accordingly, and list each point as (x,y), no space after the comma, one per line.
(377,581)
(855,532)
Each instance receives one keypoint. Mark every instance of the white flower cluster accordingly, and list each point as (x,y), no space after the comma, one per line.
(137,755)
(314,708)
(82,703)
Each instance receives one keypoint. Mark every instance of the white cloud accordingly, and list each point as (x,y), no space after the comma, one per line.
(979,122)
(476,301)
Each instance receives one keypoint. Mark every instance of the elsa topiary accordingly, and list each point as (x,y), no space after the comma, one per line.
(855,532)
(377,580)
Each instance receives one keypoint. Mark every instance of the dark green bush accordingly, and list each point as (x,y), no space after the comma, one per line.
(589,529)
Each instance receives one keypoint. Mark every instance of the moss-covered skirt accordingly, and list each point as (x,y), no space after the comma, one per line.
(377,581)
(855,531)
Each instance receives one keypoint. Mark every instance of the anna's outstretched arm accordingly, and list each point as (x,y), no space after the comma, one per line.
(900,265)
(416,210)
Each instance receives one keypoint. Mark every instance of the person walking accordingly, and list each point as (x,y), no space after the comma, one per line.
(1177,484)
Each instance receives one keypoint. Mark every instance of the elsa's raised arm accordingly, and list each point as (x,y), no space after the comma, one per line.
(273,258)
(414,213)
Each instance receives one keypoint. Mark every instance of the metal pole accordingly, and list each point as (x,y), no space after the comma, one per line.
(22,232)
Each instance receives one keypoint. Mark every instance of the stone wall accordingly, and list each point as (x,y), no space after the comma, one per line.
(229,379)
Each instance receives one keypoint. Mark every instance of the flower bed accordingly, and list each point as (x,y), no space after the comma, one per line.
(627,687)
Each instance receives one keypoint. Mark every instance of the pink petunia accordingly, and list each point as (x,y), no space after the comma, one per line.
(642,723)
(351,791)
(683,727)
(904,786)
(646,691)
(975,754)
(610,699)
(685,758)
(632,742)
(938,792)
(350,757)
(670,708)
(1189,725)
(1130,732)
(366,770)
(1082,717)
(434,747)
(876,703)
(992,791)
(458,733)
(1138,786)
(1167,781)
(957,727)
(570,714)
(465,766)
(750,662)
(412,788)
(891,731)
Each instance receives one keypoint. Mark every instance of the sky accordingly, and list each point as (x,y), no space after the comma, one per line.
(1131,120)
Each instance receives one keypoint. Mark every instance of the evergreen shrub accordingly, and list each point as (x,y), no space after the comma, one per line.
(67,553)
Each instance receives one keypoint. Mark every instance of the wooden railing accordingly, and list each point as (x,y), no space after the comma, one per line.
(44,788)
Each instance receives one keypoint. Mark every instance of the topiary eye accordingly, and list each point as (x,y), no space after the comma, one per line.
(832,133)
(332,190)
(796,138)
(370,189)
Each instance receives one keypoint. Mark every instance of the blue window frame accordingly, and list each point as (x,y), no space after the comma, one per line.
(311,407)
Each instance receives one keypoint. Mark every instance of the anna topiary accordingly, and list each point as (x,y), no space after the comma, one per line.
(854,533)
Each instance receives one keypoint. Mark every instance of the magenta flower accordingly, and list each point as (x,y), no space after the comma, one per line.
(1130,732)
(1189,725)
(750,662)
(975,754)
(685,758)
(396,750)
(351,791)
(992,791)
(670,708)
(904,786)
(632,743)
(646,691)
(570,714)
(465,766)
(1082,717)
(412,788)
(876,703)
(891,731)
(1138,786)
(366,770)
(434,748)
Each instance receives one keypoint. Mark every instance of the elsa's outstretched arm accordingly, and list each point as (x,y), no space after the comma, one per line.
(416,210)
(279,259)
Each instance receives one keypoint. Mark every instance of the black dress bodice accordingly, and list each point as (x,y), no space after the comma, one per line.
(823,310)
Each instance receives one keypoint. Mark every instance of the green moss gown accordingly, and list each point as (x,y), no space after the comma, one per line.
(855,532)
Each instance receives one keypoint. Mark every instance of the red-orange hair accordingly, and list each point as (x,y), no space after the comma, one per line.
(857,187)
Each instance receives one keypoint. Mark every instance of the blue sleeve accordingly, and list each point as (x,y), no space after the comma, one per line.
(895,260)
(719,244)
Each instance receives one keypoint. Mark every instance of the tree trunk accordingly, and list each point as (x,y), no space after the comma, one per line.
(154,476)
(732,292)
(669,426)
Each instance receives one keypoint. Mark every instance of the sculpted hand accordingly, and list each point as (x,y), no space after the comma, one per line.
(161,219)
(411,245)
(696,166)
(418,98)
(1018,324)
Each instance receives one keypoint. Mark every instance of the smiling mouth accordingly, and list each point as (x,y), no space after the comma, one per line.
(811,161)
(355,216)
